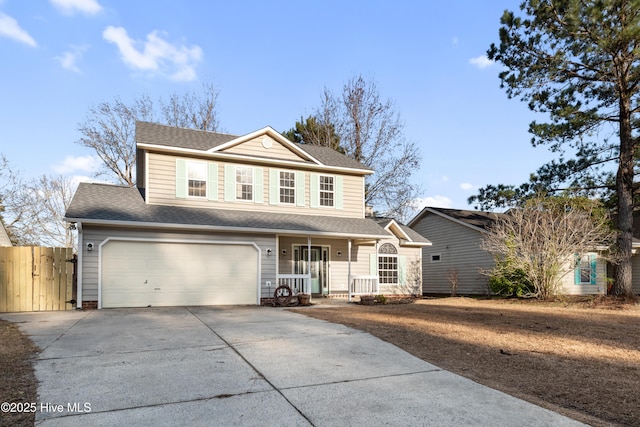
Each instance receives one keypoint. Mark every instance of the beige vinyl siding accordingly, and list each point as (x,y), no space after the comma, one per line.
(161,189)
(459,250)
(255,148)
(98,234)
(360,262)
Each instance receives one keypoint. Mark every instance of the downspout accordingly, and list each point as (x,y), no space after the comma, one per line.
(80,260)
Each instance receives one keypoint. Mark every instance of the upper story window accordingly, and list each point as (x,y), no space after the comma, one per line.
(197,179)
(287,187)
(326,190)
(244,183)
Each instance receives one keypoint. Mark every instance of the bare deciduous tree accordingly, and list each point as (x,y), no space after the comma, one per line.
(372,133)
(33,210)
(543,238)
(109,128)
(196,110)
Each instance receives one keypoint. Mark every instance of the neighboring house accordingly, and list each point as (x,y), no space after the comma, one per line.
(4,237)
(456,252)
(224,219)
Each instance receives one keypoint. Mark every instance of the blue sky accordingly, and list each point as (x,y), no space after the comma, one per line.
(270,62)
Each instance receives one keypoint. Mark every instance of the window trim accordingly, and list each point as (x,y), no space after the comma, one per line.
(293,188)
(250,174)
(204,165)
(332,192)
(396,271)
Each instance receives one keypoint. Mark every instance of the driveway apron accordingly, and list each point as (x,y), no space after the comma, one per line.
(202,366)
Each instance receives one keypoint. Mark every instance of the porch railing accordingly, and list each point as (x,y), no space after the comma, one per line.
(363,285)
(297,282)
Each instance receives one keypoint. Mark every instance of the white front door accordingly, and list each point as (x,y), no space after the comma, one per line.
(317,266)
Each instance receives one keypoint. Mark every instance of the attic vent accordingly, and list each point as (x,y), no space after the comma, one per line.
(267,142)
(387,248)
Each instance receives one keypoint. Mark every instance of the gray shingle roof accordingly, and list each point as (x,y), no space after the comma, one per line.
(171,136)
(110,203)
(478,219)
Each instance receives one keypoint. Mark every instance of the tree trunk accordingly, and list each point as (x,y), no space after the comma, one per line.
(624,184)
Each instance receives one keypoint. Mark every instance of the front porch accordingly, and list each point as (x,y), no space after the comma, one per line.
(357,285)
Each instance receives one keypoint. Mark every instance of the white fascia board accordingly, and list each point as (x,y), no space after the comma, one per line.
(394,228)
(244,158)
(136,224)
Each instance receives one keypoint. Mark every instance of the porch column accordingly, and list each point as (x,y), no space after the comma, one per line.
(309,265)
(349,270)
(377,269)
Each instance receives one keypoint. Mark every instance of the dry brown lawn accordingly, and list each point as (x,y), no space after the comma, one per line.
(581,359)
(18,383)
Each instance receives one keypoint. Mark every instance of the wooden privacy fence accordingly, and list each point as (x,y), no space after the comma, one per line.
(36,278)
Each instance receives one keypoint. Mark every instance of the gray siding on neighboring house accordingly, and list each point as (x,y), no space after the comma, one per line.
(161,189)
(635,268)
(459,250)
(97,235)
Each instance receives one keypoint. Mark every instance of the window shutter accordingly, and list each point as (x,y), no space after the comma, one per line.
(300,194)
(274,180)
(339,192)
(314,192)
(576,275)
(229,183)
(402,270)
(258,186)
(594,274)
(212,190)
(373,264)
(181,178)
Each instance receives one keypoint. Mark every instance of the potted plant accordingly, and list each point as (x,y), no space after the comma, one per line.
(303,299)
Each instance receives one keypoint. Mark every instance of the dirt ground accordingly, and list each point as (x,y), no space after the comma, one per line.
(581,359)
(18,384)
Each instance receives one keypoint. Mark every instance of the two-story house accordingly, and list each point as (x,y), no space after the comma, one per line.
(223,219)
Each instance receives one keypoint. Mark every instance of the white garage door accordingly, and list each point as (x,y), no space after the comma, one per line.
(138,274)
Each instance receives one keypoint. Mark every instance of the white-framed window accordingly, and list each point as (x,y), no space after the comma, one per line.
(436,258)
(388,269)
(585,272)
(326,190)
(197,179)
(244,183)
(287,187)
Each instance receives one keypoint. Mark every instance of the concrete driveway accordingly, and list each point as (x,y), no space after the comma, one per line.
(203,366)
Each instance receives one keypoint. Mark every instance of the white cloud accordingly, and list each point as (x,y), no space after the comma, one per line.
(10,28)
(69,7)
(178,62)
(69,59)
(77,164)
(481,61)
(467,186)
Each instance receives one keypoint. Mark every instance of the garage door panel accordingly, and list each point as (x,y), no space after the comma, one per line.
(137,274)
